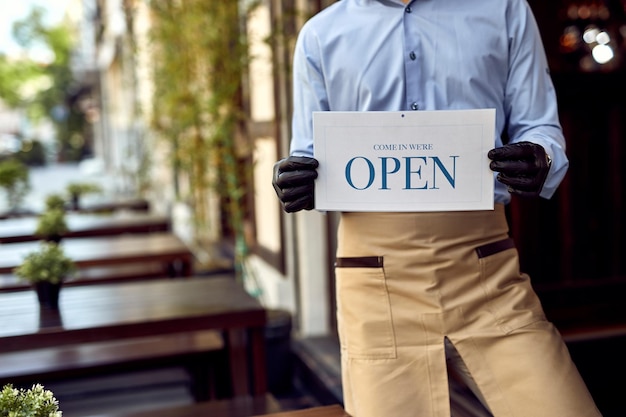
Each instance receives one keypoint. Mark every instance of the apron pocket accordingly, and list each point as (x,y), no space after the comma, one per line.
(363,308)
(512,300)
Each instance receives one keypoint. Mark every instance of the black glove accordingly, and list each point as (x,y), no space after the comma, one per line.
(522,166)
(293,182)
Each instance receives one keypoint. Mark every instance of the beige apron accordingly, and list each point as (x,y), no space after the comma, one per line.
(406,281)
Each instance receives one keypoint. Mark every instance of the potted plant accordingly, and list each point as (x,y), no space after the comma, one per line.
(51,225)
(78,189)
(46,269)
(33,402)
(55,201)
(14,178)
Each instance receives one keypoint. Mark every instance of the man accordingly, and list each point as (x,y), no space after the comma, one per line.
(419,293)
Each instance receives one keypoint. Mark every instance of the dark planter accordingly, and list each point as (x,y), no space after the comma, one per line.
(54,238)
(48,294)
(75,202)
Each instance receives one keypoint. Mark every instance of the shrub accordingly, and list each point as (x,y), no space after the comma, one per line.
(14,178)
(33,402)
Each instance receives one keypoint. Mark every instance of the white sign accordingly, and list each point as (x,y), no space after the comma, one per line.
(404,161)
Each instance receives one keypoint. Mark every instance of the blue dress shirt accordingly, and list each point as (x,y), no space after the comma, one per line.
(384,55)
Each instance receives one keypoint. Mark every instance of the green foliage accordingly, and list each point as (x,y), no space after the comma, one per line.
(13,76)
(203,59)
(33,153)
(55,202)
(48,263)
(44,88)
(51,223)
(15,179)
(33,402)
(83,188)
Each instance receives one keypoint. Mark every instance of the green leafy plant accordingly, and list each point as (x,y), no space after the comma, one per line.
(77,190)
(33,402)
(44,89)
(203,59)
(48,263)
(51,224)
(15,179)
(83,188)
(55,201)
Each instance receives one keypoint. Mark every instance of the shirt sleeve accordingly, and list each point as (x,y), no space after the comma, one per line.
(309,92)
(530,98)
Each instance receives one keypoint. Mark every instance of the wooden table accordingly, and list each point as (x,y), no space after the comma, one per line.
(238,407)
(324,411)
(149,308)
(164,247)
(98,205)
(89,206)
(22,229)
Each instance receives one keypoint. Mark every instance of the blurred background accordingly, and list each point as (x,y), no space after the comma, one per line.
(186,104)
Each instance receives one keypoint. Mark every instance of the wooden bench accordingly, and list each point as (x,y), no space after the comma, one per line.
(24,229)
(238,407)
(324,411)
(137,204)
(244,406)
(165,248)
(118,312)
(96,275)
(193,350)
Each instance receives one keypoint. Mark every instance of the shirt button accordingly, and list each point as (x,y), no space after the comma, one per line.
(408,9)
(414,106)
(412,56)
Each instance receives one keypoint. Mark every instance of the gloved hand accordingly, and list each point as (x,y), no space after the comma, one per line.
(293,182)
(522,166)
